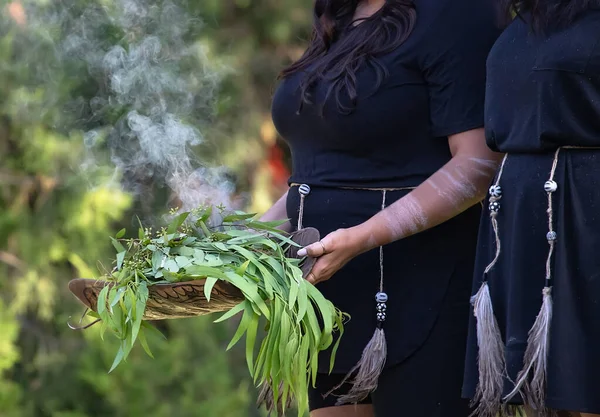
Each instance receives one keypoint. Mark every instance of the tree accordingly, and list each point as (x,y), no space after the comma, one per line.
(55,218)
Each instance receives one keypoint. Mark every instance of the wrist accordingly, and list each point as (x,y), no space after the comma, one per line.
(362,238)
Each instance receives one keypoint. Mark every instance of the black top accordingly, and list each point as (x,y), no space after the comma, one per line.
(396,137)
(544,92)
(555,100)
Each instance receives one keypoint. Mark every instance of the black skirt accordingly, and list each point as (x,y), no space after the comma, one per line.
(417,272)
(517,280)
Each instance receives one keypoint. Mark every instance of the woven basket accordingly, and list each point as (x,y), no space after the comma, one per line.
(186,299)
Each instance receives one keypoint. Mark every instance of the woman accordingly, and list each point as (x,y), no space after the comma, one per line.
(385,110)
(538,270)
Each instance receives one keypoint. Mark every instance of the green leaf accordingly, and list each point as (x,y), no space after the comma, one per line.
(238,217)
(241,270)
(250,291)
(120,233)
(117,297)
(157,260)
(251,341)
(202,225)
(284,323)
(327,308)
(208,286)
(220,246)
(205,215)
(186,251)
(294,289)
(336,346)
(242,327)
(120,259)
(205,271)
(171,265)
(93,314)
(302,301)
(152,329)
(117,245)
(101,304)
(303,358)
(182,261)
(118,358)
(140,307)
(177,222)
(144,343)
(235,310)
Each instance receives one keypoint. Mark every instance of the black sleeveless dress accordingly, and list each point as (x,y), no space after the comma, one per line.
(543,92)
(397,137)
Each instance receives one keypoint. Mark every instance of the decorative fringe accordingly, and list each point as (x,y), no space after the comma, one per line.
(266,397)
(367,370)
(536,358)
(490,359)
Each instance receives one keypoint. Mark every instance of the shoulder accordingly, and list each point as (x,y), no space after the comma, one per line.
(575,48)
(457,24)
(455,30)
(456,13)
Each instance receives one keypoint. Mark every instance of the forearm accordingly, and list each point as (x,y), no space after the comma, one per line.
(277,212)
(455,187)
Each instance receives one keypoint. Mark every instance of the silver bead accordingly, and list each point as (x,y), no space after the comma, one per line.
(551,236)
(381,316)
(381,307)
(381,297)
(550,186)
(304,189)
(496,191)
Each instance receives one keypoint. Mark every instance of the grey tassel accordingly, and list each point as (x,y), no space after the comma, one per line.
(367,370)
(373,358)
(536,358)
(266,397)
(490,360)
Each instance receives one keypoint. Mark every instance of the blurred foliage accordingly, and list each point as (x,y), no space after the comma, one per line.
(54,225)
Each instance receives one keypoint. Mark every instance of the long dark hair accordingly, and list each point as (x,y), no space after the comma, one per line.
(357,45)
(547,13)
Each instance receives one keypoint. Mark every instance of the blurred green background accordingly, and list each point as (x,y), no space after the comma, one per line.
(54,225)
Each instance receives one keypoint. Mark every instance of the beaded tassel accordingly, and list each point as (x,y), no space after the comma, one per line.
(373,358)
(532,378)
(490,356)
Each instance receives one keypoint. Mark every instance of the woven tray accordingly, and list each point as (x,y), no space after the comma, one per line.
(186,299)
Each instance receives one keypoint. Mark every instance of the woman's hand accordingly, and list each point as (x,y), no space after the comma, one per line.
(334,251)
(455,187)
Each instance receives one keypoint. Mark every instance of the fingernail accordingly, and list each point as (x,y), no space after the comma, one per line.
(302,252)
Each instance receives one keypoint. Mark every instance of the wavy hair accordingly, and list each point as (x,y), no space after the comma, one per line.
(547,13)
(356,45)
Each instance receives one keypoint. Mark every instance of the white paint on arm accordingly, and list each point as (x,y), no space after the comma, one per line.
(455,187)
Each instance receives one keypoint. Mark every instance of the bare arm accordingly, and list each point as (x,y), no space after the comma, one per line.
(278,212)
(455,187)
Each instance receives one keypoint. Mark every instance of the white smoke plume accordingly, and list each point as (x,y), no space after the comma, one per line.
(157,89)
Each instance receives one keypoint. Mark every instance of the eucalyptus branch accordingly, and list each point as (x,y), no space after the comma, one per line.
(247,254)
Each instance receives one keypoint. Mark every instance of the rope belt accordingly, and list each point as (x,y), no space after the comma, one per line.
(531,380)
(368,369)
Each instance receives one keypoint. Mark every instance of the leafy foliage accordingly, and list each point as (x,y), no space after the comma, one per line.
(53,224)
(248,254)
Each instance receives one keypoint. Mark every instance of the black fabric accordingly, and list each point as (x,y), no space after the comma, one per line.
(417,271)
(396,137)
(544,92)
(427,383)
(435,88)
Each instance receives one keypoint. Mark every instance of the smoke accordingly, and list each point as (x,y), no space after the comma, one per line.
(153,94)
